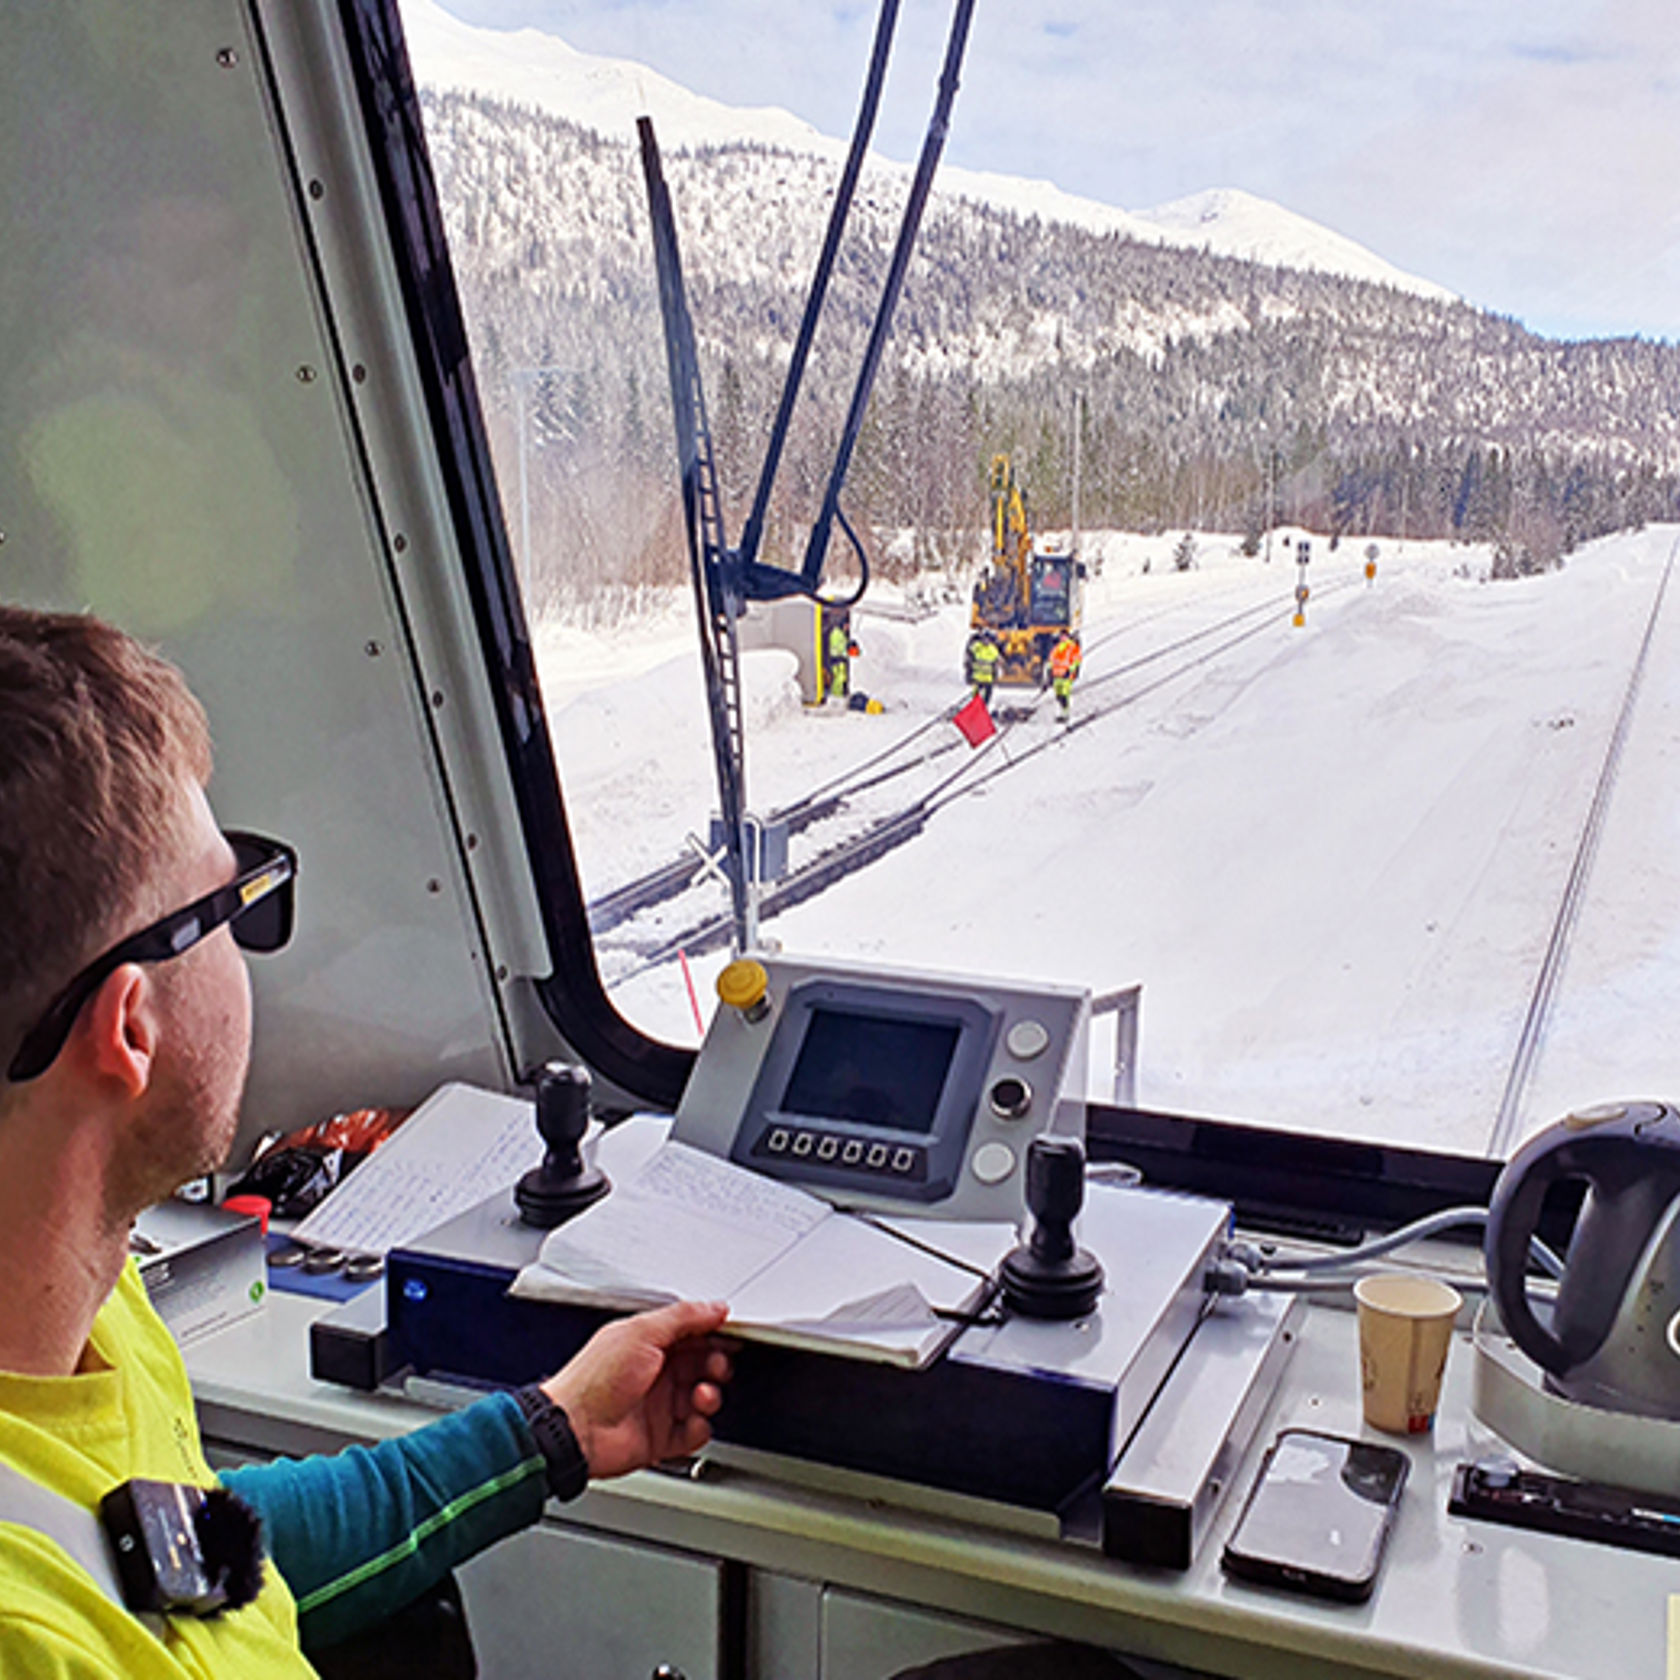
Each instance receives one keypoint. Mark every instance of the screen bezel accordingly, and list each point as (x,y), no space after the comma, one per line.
(959,1101)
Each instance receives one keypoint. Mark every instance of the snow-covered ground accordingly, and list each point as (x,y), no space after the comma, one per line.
(1332,856)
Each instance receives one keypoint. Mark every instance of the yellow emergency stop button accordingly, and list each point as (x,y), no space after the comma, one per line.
(743,985)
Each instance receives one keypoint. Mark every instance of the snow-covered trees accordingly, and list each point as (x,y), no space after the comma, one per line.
(1217,393)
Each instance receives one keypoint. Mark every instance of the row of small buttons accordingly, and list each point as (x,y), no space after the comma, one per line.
(900,1159)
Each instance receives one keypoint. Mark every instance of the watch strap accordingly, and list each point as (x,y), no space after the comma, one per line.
(551,1429)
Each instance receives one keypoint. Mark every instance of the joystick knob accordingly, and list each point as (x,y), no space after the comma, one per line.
(563,1185)
(1049,1275)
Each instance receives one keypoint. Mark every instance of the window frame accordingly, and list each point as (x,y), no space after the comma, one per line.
(572,994)
(1324,1187)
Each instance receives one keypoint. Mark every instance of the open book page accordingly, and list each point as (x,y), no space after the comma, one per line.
(688,1225)
(978,1244)
(848,1281)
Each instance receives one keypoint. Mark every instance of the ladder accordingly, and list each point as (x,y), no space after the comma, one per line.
(716,591)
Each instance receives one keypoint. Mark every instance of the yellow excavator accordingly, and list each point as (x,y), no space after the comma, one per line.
(1025,600)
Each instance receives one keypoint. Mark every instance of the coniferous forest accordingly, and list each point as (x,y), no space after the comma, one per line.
(1207,392)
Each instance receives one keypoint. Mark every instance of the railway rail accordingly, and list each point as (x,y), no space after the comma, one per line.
(1543,998)
(1004,753)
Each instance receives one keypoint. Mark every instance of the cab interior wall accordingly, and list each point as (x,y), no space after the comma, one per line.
(212,436)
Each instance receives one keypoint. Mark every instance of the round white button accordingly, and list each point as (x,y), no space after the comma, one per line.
(993,1163)
(1027,1039)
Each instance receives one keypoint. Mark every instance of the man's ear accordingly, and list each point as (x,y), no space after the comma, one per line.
(119,1029)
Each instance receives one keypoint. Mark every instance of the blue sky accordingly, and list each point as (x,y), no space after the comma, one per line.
(1523,152)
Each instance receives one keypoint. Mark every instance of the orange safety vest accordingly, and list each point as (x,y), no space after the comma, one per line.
(1064,658)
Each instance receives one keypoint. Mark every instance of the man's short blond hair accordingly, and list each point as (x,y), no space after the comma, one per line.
(98,735)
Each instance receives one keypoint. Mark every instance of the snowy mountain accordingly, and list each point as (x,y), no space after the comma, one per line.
(1231,223)
(531,68)
(1217,390)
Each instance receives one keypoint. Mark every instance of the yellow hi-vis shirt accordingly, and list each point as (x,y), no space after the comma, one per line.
(128,1413)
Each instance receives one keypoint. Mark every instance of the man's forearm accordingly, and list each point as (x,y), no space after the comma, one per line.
(361,1533)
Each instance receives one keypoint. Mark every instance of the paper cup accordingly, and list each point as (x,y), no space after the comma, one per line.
(1405,1327)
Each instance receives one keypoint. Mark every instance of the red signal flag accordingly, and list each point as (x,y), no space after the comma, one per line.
(975,722)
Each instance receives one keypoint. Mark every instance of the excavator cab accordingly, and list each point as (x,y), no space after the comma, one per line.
(1055,591)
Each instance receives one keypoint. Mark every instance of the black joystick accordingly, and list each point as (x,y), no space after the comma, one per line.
(1049,1275)
(562,1186)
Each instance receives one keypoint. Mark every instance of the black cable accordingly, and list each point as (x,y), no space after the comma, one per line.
(753,535)
(817,549)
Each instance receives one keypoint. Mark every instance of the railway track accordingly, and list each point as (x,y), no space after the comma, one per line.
(1543,998)
(1011,747)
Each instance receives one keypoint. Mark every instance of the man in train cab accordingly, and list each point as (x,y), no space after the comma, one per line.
(1063,668)
(125,1025)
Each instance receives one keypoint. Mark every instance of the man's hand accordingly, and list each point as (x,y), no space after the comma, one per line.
(643,1388)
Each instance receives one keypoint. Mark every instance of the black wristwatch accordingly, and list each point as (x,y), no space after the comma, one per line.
(568,1469)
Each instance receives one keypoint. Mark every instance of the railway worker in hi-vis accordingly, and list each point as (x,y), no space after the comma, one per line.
(983,655)
(1064,667)
(840,656)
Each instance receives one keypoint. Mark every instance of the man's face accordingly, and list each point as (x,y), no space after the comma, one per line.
(204,1000)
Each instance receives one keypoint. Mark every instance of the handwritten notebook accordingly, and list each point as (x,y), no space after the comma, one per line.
(460,1146)
(688,1226)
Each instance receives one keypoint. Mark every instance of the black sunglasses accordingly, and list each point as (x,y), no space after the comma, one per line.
(257,903)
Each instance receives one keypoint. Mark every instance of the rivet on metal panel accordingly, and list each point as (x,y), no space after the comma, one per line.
(373,649)
(434,885)
(399,542)
(501,971)
(306,375)
(227,58)
(359,374)
(317,189)
(472,842)
(437,696)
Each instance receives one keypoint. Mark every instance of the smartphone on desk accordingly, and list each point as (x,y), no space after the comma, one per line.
(1319,1516)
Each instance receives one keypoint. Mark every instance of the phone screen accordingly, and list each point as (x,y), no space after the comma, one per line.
(1319,1515)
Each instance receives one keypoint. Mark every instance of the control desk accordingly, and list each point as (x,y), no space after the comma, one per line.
(1073,1479)
(777,1581)
(887,1092)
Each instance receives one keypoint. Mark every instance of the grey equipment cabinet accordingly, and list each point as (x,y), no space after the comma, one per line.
(557,1601)
(866,1638)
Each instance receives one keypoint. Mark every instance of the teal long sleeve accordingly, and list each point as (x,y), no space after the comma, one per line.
(361,1533)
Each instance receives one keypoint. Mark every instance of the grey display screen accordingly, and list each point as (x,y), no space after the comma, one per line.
(873,1070)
